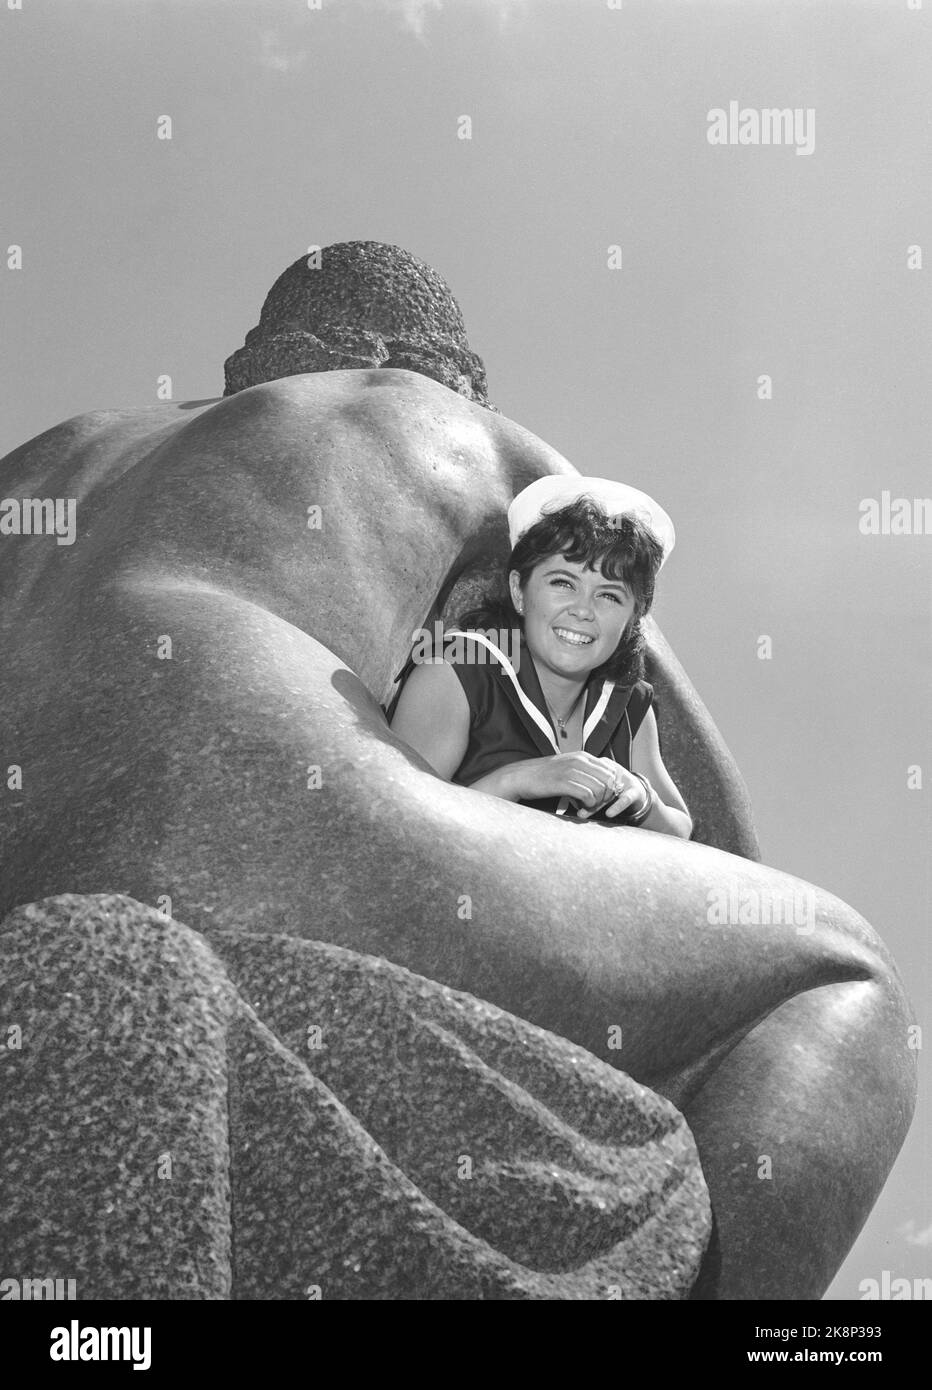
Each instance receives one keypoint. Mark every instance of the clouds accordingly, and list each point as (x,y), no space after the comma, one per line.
(914,1236)
(414,13)
(276,55)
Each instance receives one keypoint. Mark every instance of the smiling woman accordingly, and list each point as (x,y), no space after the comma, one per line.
(570,724)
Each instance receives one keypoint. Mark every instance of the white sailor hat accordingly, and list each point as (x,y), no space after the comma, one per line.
(557,490)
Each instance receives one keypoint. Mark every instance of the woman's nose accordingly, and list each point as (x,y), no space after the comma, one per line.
(581,607)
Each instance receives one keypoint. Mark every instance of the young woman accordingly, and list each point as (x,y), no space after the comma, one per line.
(565,726)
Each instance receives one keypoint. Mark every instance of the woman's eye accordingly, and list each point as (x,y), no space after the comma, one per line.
(558,579)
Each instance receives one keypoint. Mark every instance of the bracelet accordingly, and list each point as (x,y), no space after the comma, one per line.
(644,812)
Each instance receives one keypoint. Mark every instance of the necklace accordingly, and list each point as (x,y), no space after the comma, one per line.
(568,716)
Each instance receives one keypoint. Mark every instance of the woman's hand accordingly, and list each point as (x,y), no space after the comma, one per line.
(589,782)
(631,795)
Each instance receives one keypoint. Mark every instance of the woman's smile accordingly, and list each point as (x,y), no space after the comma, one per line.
(573,637)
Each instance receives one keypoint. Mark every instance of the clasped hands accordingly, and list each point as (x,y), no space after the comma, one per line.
(593,784)
(625,793)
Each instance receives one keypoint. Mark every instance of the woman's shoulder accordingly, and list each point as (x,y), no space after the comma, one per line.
(465,653)
(429,695)
(473,656)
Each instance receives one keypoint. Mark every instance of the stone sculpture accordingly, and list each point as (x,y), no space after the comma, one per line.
(193,701)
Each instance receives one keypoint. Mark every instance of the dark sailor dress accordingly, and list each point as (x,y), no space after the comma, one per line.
(509,720)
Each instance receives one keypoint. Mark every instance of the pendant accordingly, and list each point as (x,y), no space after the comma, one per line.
(563,733)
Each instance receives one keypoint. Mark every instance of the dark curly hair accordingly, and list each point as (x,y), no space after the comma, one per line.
(626,549)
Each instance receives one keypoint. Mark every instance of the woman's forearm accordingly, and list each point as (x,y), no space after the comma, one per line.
(668,820)
(499,783)
(664,819)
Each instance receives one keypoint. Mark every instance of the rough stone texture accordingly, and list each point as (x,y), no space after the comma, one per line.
(173,1128)
(367,305)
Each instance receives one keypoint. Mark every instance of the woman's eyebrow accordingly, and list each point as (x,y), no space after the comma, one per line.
(605,584)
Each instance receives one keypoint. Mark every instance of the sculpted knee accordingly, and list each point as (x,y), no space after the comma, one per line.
(870,1016)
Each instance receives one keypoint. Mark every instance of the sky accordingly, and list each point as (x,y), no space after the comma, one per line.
(294,126)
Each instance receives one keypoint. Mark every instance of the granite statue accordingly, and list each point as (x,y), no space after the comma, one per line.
(213,844)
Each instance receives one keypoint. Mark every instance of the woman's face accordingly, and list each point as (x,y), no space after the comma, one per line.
(573,616)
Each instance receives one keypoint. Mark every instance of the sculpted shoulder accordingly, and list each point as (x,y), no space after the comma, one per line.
(404,408)
(276,485)
(422,416)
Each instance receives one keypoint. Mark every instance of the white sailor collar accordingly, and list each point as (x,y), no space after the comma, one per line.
(604,709)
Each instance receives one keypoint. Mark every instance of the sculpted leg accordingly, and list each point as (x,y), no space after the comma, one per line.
(791,1045)
(797,1130)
